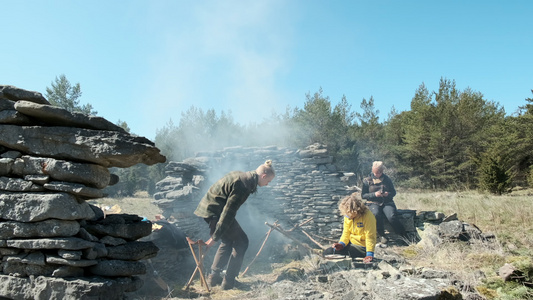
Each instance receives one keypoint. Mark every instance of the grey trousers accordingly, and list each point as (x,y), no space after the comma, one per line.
(386,210)
(230,253)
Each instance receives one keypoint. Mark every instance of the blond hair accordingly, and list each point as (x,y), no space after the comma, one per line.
(266,168)
(352,204)
(378,165)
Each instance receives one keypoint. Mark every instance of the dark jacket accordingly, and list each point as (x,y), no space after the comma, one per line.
(371,184)
(224,198)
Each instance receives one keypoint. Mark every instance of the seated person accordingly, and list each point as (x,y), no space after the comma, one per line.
(359,230)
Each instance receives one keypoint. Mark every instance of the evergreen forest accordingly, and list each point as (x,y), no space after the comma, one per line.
(450,139)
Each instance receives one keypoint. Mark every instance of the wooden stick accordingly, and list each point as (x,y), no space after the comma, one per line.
(201,267)
(300,225)
(199,264)
(319,245)
(323,238)
(253,260)
(285,233)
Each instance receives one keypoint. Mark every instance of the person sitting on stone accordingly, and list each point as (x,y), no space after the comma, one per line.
(218,208)
(359,230)
(378,191)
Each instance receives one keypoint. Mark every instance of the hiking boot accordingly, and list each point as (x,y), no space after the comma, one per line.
(214,279)
(228,283)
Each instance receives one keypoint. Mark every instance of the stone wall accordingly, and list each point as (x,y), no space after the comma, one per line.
(53,244)
(307,186)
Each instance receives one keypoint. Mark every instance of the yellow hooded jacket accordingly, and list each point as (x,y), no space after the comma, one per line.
(360,231)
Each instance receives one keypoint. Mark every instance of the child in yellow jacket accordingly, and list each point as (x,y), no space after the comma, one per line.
(359,230)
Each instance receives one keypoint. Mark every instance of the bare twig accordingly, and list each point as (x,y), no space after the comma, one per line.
(319,245)
(287,234)
(300,225)
(323,238)
(253,260)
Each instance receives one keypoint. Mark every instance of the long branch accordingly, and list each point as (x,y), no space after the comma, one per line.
(285,233)
(253,260)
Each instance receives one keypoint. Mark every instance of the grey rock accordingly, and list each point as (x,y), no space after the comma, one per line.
(69,254)
(432,274)
(68,271)
(77,189)
(452,229)
(112,241)
(6,164)
(106,148)
(46,228)
(13,93)
(133,251)
(33,207)
(51,259)
(6,104)
(68,243)
(9,251)
(11,154)
(84,234)
(48,288)
(92,175)
(18,185)
(98,251)
(429,237)
(38,179)
(14,117)
(58,116)
(113,179)
(116,268)
(34,258)
(98,213)
(12,266)
(128,227)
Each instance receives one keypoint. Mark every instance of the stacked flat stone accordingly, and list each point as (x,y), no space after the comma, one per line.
(53,244)
(307,185)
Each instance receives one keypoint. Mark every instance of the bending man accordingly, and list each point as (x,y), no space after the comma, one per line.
(218,208)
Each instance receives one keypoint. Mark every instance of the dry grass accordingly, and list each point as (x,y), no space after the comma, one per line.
(508,217)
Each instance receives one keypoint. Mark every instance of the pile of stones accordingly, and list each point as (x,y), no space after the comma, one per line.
(53,243)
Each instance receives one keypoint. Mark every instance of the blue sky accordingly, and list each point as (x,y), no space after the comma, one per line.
(145,62)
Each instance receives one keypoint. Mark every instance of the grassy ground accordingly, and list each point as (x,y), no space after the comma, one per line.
(509,217)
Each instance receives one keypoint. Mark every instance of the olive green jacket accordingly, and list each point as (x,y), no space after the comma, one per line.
(224,198)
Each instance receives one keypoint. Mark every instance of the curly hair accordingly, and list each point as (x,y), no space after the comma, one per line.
(352,204)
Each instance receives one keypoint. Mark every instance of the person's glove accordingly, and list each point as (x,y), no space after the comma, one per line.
(338,246)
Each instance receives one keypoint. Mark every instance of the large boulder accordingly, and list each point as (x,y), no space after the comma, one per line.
(88,174)
(106,148)
(48,288)
(33,207)
(54,115)
(14,93)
